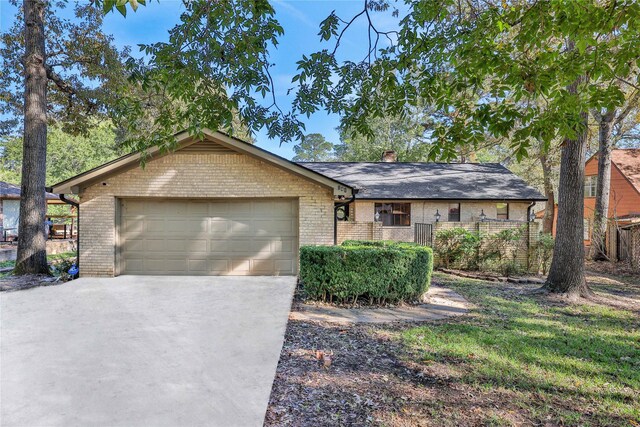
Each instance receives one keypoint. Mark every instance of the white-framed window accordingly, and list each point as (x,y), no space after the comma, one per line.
(590,185)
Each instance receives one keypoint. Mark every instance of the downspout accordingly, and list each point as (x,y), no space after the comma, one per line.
(77,206)
(335,215)
(529,211)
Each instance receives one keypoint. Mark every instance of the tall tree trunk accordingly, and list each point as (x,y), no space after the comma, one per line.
(32,256)
(550,208)
(598,246)
(566,274)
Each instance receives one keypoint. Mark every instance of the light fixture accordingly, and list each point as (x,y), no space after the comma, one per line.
(437,215)
(482,215)
(377,216)
(532,216)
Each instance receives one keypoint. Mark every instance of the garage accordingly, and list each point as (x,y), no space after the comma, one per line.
(214,205)
(208,237)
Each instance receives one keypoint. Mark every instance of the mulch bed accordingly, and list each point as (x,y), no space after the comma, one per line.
(369,382)
(18,283)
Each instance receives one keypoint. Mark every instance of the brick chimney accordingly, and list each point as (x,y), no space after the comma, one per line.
(389,156)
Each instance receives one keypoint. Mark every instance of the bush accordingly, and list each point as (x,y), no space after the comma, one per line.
(61,267)
(541,253)
(373,272)
(501,250)
(458,246)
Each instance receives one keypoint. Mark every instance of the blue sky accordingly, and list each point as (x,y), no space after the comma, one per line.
(300,20)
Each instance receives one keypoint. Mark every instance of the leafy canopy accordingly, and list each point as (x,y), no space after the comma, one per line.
(85,70)
(67,155)
(313,148)
(486,68)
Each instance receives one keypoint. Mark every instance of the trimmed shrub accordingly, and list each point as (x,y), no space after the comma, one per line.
(366,272)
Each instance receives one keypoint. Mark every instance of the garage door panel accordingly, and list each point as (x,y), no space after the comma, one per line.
(216,237)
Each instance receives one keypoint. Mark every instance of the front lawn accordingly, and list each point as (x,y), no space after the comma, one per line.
(518,358)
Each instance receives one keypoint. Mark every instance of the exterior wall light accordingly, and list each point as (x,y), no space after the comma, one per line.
(482,215)
(437,215)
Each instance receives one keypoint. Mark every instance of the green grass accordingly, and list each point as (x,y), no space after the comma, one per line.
(585,356)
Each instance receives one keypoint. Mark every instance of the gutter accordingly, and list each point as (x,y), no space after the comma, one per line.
(77,206)
(335,214)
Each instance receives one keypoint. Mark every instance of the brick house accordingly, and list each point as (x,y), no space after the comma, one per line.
(223,206)
(624,197)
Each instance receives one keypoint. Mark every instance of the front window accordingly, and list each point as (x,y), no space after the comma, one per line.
(454,212)
(502,210)
(590,185)
(393,214)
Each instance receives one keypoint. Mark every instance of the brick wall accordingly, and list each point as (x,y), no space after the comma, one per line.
(195,175)
(353,230)
(425,211)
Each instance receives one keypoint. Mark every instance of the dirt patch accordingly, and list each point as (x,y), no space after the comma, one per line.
(18,283)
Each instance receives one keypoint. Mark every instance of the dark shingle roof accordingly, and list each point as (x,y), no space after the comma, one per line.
(12,191)
(453,181)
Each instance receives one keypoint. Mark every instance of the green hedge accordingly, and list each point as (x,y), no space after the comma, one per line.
(366,272)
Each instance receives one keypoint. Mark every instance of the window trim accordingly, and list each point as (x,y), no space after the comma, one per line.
(459,212)
(508,211)
(592,182)
(375,205)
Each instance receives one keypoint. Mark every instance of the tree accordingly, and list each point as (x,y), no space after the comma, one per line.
(213,70)
(405,135)
(67,154)
(52,68)
(609,121)
(313,148)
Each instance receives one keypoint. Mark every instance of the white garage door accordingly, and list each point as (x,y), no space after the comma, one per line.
(213,237)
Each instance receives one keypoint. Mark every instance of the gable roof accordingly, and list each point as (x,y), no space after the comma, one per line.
(444,181)
(12,191)
(628,162)
(184,140)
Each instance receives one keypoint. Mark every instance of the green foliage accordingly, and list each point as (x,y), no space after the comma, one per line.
(457,246)
(61,264)
(313,148)
(213,69)
(373,273)
(541,252)
(405,135)
(85,70)
(67,155)
(485,69)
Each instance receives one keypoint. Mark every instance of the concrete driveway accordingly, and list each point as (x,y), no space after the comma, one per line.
(142,351)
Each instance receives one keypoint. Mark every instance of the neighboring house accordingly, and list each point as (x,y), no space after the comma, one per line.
(624,195)
(10,209)
(223,206)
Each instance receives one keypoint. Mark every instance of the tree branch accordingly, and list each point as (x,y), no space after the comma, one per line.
(59,81)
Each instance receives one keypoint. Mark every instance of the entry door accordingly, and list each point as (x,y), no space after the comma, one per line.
(210,237)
